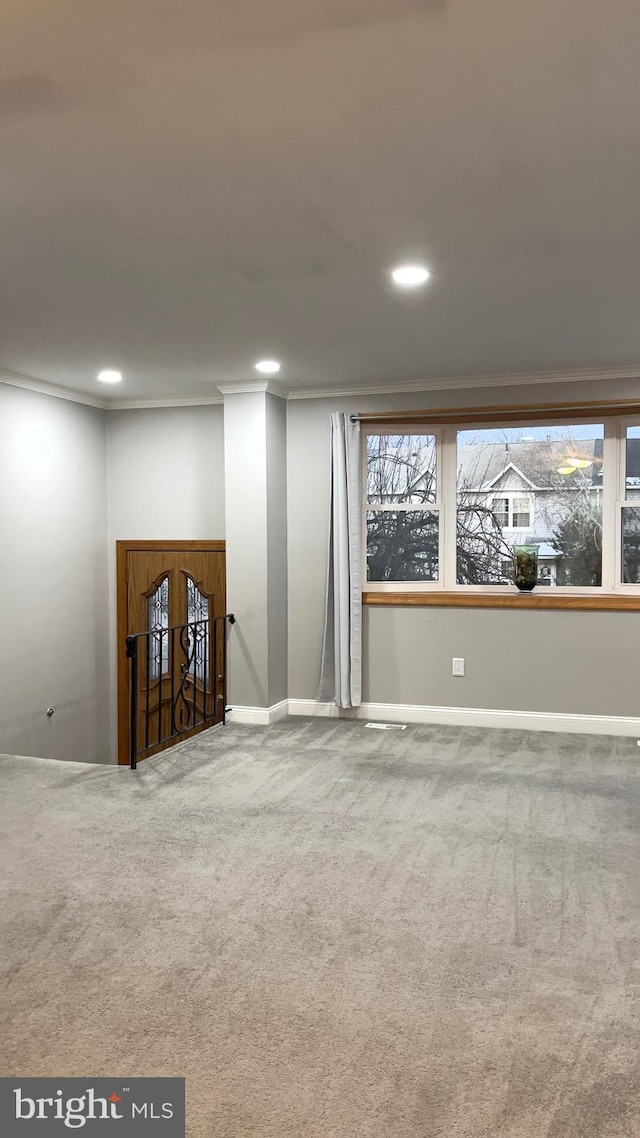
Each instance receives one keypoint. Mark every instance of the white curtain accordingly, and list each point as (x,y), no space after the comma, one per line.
(341,677)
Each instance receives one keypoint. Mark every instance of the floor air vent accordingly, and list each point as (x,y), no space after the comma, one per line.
(387,726)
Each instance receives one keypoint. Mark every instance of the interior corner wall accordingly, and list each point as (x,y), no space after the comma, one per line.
(54,615)
(565,662)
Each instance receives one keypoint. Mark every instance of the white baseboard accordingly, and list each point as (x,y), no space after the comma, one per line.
(259,716)
(473,717)
(320,710)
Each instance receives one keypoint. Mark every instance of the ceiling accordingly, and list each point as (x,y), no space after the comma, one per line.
(190,185)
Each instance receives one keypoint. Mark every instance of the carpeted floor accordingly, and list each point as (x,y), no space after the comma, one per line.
(335,931)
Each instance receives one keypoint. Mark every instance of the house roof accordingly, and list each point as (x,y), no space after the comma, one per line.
(547,552)
(514,472)
(497,465)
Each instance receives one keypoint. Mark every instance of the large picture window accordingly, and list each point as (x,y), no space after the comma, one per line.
(447,506)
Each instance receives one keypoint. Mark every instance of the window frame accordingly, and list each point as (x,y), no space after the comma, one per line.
(621,499)
(613,500)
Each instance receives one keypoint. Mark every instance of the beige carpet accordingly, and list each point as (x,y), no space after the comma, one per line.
(333,931)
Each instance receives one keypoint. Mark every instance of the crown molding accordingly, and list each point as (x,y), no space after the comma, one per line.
(147,404)
(258,385)
(515,379)
(43,387)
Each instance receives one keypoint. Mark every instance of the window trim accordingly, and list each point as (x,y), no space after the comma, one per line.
(545,599)
(613,594)
(621,499)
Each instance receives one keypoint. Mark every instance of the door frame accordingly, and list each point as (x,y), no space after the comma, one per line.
(123,548)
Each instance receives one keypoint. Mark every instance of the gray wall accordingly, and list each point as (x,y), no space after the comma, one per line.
(523,661)
(245,429)
(256,496)
(166,473)
(276,424)
(568,662)
(54,612)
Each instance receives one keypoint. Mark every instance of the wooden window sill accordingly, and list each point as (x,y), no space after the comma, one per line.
(608,602)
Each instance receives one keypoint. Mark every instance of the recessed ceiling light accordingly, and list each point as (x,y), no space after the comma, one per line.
(410,276)
(268,367)
(110,376)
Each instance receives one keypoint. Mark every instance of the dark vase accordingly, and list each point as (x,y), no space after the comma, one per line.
(526,567)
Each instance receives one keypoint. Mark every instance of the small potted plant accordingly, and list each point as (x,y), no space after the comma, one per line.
(525,558)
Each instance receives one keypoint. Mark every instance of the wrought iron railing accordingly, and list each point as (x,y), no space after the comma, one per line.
(177,683)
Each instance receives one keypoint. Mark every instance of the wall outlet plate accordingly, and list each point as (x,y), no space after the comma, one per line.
(458,666)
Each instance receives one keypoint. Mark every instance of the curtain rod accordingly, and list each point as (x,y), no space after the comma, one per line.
(501,411)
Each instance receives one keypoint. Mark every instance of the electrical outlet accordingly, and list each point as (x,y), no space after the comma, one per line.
(458,666)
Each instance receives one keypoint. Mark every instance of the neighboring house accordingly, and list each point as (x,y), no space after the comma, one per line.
(531,488)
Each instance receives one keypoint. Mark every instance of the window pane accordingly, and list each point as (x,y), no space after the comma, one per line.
(632,480)
(402,545)
(521,512)
(579,543)
(500,509)
(483,554)
(158,622)
(198,633)
(401,468)
(538,486)
(631,545)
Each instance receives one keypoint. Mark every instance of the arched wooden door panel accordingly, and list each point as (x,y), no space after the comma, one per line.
(168,590)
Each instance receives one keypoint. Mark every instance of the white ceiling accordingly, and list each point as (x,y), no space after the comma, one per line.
(188,185)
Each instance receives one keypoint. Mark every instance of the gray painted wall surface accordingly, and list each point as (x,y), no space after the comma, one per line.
(54,611)
(166,473)
(246,515)
(564,662)
(571,662)
(276,425)
(255,480)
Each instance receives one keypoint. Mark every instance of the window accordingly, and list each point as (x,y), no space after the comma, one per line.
(198,629)
(500,511)
(158,622)
(445,506)
(402,508)
(512,512)
(520,512)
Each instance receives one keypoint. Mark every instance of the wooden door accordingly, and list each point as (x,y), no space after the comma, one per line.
(171,592)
